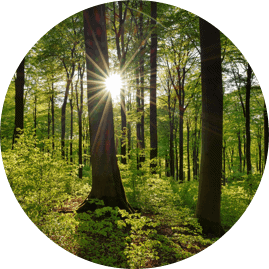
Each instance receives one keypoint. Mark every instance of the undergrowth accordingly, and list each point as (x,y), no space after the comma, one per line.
(162,231)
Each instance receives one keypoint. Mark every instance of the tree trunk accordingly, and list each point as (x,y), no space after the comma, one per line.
(248,87)
(171,130)
(142,51)
(129,130)
(224,164)
(138,124)
(194,161)
(52,118)
(239,151)
(35,121)
(177,174)
(19,106)
(153,76)
(188,150)
(106,179)
(265,119)
(181,115)
(80,112)
(209,196)
(63,117)
(71,129)
(49,118)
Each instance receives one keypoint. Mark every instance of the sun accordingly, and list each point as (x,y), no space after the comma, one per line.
(114,84)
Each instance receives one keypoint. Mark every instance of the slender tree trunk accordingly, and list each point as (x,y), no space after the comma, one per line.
(209,196)
(35,121)
(197,153)
(194,149)
(248,87)
(188,150)
(181,115)
(224,163)
(80,112)
(265,119)
(177,172)
(153,105)
(244,158)
(63,117)
(49,120)
(129,130)
(52,118)
(138,124)
(239,151)
(171,113)
(142,51)
(167,169)
(106,179)
(19,104)
(259,141)
(71,129)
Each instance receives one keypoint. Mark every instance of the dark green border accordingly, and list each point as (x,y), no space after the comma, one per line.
(22,24)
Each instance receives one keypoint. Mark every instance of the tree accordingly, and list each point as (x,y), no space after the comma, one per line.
(106,179)
(248,87)
(19,103)
(209,196)
(80,113)
(153,75)
(265,133)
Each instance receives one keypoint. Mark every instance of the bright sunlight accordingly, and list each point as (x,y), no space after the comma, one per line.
(114,84)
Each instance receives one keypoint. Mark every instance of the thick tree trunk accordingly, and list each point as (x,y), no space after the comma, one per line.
(209,196)
(19,105)
(153,77)
(248,142)
(106,179)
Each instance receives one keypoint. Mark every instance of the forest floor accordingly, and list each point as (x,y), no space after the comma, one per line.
(143,240)
(162,231)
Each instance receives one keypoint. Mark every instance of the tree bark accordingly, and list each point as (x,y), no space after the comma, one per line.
(80,112)
(209,196)
(106,179)
(52,117)
(265,119)
(19,104)
(71,129)
(153,106)
(248,142)
(239,151)
(188,150)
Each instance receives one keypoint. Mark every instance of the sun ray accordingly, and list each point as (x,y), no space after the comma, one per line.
(97,66)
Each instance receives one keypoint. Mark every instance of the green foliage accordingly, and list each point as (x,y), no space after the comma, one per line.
(40,181)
